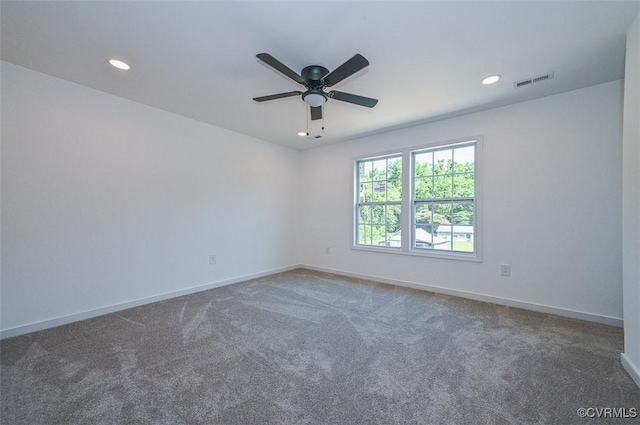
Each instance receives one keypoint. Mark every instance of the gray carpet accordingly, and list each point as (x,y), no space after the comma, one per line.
(310,348)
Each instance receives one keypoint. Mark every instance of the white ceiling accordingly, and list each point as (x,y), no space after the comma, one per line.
(197,59)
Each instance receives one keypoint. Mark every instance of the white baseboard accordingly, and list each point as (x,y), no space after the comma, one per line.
(632,370)
(46,324)
(580,315)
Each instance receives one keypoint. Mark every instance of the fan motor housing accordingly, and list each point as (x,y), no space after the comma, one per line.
(315,78)
(313,74)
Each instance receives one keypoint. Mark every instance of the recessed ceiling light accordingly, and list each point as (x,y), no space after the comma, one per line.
(302,133)
(119,64)
(491,79)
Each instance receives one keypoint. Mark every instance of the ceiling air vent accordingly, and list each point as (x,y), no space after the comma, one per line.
(317,137)
(533,80)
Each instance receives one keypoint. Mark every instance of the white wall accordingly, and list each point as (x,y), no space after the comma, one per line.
(551,205)
(631,204)
(106,201)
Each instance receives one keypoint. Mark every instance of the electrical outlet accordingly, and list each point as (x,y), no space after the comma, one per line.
(505,270)
(327,250)
(212,259)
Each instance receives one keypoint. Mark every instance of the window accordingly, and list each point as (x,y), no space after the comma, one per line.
(444,198)
(431,209)
(379,187)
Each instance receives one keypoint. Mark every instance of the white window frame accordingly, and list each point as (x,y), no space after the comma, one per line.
(357,203)
(408,203)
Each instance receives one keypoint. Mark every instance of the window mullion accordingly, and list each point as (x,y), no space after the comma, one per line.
(406,210)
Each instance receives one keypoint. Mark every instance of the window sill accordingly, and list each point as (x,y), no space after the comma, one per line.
(458,256)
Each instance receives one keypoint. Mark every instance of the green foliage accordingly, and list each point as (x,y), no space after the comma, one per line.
(444,180)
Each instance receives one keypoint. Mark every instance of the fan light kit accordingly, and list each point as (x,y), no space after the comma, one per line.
(119,64)
(314,99)
(315,78)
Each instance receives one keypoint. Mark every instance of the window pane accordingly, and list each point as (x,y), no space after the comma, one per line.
(394,190)
(462,213)
(442,244)
(379,190)
(423,229)
(393,218)
(443,162)
(392,229)
(464,159)
(364,234)
(463,246)
(378,235)
(442,187)
(423,164)
(441,214)
(377,213)
(395,169)
(361,171)
(424,188)
(462,229)
(394,177)
(380,169)
(368,175)
(366,193)
(364,215)
(423,239)
(463,185)
(393,239)
(423,216)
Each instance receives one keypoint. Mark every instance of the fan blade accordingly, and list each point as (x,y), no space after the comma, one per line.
(345,70)
(316,112)
(353,98)
(279,66)
(277,96)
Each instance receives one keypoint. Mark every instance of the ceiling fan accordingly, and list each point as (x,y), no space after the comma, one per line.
(315,78)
